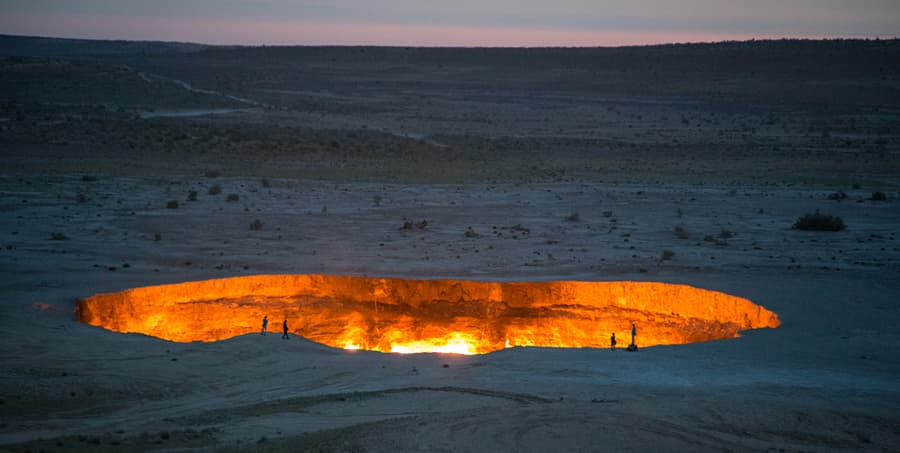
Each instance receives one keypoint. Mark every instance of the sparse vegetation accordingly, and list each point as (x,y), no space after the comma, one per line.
(256,225)
(607,214)
(819,222)
(666,255)
(408,224)
(681,233)
(837,196)
(878,196)
(573,217)
(192,195)
(172,204)
(215,190)
(58,236)
(521,229)
(470,233)
(376,200)
(232,197)
(265,183)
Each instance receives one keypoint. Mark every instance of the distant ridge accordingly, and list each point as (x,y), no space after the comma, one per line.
(37,46)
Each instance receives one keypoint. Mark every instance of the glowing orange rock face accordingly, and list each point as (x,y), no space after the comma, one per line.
(397,315)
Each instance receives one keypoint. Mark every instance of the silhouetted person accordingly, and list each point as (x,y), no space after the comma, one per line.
(284,325)
(612,342)
(265,324)
(633,333)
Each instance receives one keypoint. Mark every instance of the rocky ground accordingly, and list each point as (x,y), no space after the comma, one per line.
(130,169)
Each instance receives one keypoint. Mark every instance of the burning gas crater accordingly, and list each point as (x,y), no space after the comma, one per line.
(457,316)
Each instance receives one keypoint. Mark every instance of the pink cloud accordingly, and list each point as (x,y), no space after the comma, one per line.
(218,31)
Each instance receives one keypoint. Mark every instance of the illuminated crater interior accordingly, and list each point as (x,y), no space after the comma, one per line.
(397,315)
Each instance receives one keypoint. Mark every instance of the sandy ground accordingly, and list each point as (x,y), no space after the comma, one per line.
(826,380)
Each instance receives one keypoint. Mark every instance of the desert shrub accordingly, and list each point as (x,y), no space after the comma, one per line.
(666,255)
(265,183)
(408,224)
(521,229)
(376,200)
(470,233)
(192,195)
(725,234)
(680,232)
(607,214)
(232,197)
(215,190)
(172,204)
(837,196)
(819,222)
(58,237)
(88,178)
(878,196)
(81,197)
(256,225)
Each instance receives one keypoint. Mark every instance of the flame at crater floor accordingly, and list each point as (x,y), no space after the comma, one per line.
(403,315)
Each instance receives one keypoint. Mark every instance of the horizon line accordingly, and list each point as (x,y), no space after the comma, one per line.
(454,46)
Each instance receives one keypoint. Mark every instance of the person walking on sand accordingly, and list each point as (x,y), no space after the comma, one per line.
(284,325)
(633,334)
(265,324)
(612,342)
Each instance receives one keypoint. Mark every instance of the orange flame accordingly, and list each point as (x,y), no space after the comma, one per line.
(405,316)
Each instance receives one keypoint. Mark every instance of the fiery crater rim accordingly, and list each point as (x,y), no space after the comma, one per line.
(418,315)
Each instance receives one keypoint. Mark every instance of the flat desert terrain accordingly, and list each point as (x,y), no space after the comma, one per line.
(128,164)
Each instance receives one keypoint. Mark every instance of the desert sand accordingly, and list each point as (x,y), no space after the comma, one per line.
(610,158)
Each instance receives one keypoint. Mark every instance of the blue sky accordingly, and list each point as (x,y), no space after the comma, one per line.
(466,22)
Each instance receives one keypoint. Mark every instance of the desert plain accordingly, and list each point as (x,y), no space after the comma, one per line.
(130,164)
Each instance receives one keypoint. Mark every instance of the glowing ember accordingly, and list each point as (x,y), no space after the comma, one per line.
(408,316)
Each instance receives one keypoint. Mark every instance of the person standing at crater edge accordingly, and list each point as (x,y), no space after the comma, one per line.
(284,325)
(265,324)
(633,334)
(612,342)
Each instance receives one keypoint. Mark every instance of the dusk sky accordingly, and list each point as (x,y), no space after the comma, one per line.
(450,23)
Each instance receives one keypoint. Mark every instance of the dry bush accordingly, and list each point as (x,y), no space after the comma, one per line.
(256,225)
(172,204)
(192,195)
(878,196)
(666,255)
(232,197)
(819,222)
(680,232)
(215,190)
(58,237)
(573,217)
